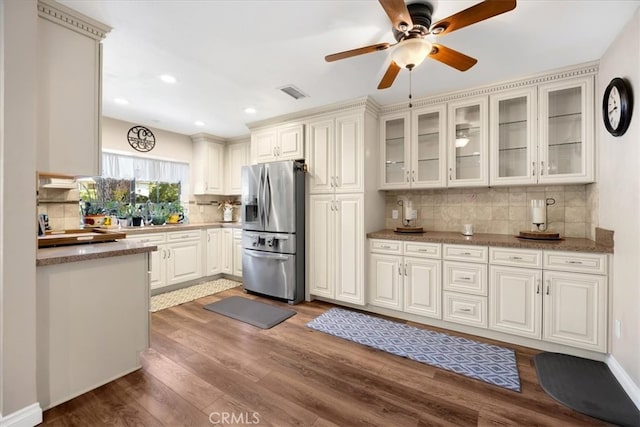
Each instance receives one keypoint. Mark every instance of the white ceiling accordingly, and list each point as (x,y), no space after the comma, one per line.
(229,55)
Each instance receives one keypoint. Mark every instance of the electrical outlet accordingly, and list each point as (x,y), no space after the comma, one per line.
(617,328)
(394,214)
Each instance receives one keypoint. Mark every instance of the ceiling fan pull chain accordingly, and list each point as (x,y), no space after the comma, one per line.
(410,69)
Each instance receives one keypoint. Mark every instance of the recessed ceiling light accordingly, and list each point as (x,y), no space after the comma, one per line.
(168,78)
(198,123)
(121,101)
(250,110)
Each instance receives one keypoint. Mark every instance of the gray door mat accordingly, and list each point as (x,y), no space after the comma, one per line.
(586,386)
(255,313)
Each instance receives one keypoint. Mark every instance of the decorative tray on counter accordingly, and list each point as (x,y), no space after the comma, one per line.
(539,235)
(79,236)
(409,230)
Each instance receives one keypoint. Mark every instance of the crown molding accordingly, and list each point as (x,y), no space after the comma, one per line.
(69,18)
(202,136)
(359,104)
(585,69)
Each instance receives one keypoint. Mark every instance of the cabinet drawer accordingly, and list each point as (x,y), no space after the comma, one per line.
(465,309)
(515,257)
(393,247)
(466,253)
(463,277)
(423,250)
(575,261)
(177,236)
(149,239)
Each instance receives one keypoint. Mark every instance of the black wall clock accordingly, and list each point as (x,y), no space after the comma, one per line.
(617,106)
(141,138)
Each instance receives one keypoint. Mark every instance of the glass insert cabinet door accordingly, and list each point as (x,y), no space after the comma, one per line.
(395,151)
(566,131)
(428,147)
(467,142)
(513,149)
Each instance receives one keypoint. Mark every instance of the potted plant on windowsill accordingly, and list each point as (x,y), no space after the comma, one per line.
(93,215)
(176,213)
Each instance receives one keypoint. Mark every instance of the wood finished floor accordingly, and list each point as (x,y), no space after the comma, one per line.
(202,365)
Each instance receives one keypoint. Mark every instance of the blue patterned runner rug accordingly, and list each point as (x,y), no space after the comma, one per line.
(489,363)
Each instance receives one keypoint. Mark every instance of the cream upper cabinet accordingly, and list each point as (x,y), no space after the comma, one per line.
(284,142)
(428,147)
(208,165)
(395,150)
(335,152)
(69,92)
(237,155)
(467,142)
(513,146)
(566,153)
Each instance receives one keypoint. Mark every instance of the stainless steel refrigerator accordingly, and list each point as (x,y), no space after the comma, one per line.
(273,229)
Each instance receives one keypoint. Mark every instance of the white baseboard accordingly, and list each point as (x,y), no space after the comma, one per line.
(624,379)
(26,417)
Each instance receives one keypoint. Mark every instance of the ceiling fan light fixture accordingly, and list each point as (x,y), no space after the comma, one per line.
(411,52)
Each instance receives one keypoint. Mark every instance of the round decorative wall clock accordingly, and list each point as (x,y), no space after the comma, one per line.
(141,138)
(617,106)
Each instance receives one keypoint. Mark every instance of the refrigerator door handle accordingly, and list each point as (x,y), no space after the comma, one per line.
(260,199)
(267,197)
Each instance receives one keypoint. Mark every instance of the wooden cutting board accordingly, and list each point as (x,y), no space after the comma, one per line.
(78,236)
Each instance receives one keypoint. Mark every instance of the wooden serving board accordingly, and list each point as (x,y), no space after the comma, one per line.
(409,230)
(539,235)
(79,236)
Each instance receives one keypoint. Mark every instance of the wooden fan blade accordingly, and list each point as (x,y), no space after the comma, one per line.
(355,52)
(476,13)
(452,57)
(398,14)
(389,76)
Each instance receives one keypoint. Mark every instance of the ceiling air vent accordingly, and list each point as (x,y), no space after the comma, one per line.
(293,92)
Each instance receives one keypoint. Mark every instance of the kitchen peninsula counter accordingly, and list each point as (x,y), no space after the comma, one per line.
(89,251)
(502,240)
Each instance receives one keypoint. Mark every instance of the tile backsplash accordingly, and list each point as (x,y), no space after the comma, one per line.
(209,207)
(501,210)
(61,206)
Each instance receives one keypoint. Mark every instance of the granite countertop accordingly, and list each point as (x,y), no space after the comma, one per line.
(503,240)
(177,227)
(83,252)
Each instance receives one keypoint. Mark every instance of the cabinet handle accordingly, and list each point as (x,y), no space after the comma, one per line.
(449,174)
(337,181)
(422,250)
(466,253)
(465,278)
(385,247)
(533,168)
(465,310)
(538,287)
(547,292)
(413,176)
(399,270)
(144,241)
(573,262)
(407,176)
(164,254)
(208,237)
(405,270)
(515,258)
(333,181)
(541,168)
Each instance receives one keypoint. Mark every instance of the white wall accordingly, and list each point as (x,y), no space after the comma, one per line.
(619,187)
(18,97)
(169,145)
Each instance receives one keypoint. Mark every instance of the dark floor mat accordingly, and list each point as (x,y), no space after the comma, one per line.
(255,313)
(586,386)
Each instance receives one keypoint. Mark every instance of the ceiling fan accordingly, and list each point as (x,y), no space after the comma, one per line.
(412,23)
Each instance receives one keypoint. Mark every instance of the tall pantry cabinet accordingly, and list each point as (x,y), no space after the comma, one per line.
(69,90)
(343,203)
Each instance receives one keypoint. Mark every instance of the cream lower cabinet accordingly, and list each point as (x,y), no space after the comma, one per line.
(336,251)
(213,252)
(227,251)
(237,252)
(464,284)
(542,301)
(158,274)
(184,256)
(403,278)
